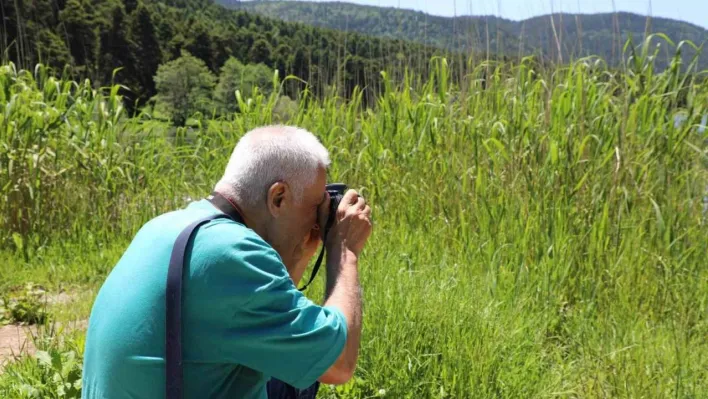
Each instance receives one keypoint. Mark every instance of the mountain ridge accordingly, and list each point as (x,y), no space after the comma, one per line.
(249,3)
(579,34)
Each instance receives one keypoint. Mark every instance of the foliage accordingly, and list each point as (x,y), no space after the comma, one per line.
(538,232)
(28,306)
(184,87)
(54,371)
(112,41)
(61,139)
(577,35)
(285,110)
(244,78)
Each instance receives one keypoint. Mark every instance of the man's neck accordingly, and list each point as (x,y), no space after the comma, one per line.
(254,221)
(250,217)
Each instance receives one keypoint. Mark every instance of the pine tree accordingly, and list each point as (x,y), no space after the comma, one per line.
(117,51)
(147,49)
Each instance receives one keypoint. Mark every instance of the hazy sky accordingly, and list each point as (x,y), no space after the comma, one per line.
(694,11)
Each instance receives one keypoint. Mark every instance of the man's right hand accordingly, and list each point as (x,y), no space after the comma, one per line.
(350,232)
(352,226)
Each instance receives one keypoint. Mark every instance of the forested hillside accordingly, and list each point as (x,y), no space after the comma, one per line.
(95,37)
(603,35)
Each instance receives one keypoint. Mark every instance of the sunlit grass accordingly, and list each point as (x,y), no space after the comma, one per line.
(538,233)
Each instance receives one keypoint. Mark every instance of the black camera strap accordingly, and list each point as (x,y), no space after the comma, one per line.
(316,268)
(330,221)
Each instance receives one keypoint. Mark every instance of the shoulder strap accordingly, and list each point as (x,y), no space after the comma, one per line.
(173,320)
(173,327)
(224,205)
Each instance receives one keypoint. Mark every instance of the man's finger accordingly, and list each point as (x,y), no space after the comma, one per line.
(361,203)
(351,197)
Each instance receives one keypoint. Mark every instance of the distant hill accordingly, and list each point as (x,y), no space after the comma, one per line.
(577,34)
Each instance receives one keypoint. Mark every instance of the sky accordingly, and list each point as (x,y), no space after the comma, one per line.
(694,11)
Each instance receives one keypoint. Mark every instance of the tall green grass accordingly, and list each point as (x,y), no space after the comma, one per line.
(538,233)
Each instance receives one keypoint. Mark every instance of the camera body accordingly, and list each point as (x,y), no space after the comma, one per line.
(336,193)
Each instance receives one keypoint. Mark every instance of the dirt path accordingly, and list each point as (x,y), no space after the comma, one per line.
(15,341)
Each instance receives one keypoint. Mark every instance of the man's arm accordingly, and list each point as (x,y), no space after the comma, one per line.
(343,291)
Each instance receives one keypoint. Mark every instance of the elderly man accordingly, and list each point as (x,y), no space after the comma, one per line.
(243,320)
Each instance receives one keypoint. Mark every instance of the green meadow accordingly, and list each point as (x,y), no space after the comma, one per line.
(539,231)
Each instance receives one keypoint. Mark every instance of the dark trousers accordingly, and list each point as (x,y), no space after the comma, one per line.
(279,390)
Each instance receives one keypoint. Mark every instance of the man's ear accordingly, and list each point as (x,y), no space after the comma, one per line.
(278,195)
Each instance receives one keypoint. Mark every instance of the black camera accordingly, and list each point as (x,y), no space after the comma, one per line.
(336,193)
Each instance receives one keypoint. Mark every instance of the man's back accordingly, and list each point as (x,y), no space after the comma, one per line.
(241,313)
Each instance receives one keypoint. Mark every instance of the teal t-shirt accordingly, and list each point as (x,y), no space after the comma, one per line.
(244,321)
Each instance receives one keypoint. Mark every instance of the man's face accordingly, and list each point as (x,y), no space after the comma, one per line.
(295,231)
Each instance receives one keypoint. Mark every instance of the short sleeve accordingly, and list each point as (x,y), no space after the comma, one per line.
(243,308)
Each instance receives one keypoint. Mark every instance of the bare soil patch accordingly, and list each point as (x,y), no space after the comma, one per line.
(17,340)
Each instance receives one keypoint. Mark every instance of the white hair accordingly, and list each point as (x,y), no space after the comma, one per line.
(269,154)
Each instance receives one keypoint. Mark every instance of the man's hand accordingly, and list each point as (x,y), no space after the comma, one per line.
(344,244)
(352,226)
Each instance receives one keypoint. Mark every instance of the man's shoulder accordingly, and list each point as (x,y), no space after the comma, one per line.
(230,263)
(222,247)
(232,244)
(219,238)
(223,230)
(226,235)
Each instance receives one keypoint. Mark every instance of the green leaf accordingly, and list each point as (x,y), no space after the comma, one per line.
(69,363)
(500,147)
(554,152)
(44,358)
(659,218)
(19,242)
